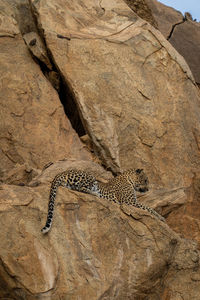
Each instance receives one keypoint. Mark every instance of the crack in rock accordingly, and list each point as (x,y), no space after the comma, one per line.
(173,28)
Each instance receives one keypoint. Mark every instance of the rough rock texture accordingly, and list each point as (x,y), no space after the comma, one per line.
(186,39)
(139,104)
(182,32)
(95,250)
(20,11)
(186,219)
(36,47)
(33,126)
(165,16)
(135,93)
(142,10)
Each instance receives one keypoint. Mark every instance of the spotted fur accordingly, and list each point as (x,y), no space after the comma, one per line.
(72,179)
(121,189)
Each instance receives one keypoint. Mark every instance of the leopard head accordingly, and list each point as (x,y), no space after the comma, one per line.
(141,182)
(138,179)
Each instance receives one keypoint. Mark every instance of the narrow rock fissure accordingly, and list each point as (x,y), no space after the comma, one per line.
(173,28)
(65,92)
(53,74)
(65,96)
(56,79)
(70,107)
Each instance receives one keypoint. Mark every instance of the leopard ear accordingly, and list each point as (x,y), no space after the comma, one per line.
(138,171)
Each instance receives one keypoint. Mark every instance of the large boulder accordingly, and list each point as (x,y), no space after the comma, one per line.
(186,40)
(138,102)
(143,10)
(95,249)
(165,16)
(34,129)
(136,95)
(182,32)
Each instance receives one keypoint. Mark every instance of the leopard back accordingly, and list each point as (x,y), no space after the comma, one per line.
(121,189)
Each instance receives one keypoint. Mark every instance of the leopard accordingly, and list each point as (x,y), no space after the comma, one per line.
(120,189)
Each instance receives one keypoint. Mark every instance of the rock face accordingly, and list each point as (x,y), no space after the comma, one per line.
(126,88)
(182,32)
(165,16)
(186,39)
(95,250)
(136,98)
(143,10)
(33,126)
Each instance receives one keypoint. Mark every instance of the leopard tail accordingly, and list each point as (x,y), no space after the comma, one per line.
(53,191)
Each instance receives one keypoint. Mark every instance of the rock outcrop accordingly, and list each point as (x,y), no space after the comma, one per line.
(95,250)
(186,40)
(143,10)
(126,89)
(122,83)
(165,16)
(30,107)
(181,31)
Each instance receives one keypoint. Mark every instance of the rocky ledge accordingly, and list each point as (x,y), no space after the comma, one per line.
(95,73)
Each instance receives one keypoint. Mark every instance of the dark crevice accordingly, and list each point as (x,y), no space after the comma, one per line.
(173,28)
(58,82)
(65,96)
(70,107)
(63,37)
(52,72)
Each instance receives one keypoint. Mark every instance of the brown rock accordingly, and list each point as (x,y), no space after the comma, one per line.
(178,286)
(49,172)
(140,106)
(33,126)
(8,27)
(186,220)
(19,10)
(36,47)
(143,10)
(132,89)
(182,32)
(136,96)
(95,250)
(165,200)
(186,40)
(165,16)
